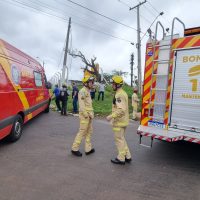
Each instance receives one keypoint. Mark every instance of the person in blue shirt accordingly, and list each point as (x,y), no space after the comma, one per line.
(75,98)
(56,92)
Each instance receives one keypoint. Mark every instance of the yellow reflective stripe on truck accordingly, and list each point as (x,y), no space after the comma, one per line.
(7,69)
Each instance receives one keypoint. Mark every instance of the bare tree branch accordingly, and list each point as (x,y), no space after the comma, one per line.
(87,63)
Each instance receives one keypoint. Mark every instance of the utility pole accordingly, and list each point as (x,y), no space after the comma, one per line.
(132,63)
(65,55)
(138,46)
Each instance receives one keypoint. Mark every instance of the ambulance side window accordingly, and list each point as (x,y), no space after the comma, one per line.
(38,79)
(15,75)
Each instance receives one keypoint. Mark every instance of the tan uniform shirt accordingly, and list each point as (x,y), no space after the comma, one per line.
(120,112)
(135,99)
(85,103)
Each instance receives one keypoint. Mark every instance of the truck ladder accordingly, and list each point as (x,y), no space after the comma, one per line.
(159,74)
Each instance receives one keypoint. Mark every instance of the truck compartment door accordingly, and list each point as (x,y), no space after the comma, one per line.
(185,104)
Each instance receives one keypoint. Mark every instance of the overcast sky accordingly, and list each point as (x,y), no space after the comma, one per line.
(38,32)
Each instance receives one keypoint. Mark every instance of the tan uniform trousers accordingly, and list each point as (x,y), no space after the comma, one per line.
(120,141)
(85,131)
(135,108)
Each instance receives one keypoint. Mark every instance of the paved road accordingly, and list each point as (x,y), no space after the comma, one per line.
(40,167)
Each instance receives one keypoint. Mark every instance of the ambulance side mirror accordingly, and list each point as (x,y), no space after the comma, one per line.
(48,85)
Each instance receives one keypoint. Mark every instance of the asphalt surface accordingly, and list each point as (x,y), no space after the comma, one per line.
(40,166)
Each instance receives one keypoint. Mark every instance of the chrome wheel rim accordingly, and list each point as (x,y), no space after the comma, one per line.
(17,129)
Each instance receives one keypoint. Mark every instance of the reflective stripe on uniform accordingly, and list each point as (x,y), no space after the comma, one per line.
(114,115)
(87,139)
(84,122)
(88,109)
(77,142)
(116,129)
(122,123)
(122,153)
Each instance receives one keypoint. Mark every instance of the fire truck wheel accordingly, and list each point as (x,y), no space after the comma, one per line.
(16,131)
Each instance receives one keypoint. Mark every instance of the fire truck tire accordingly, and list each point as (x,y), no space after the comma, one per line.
(16,131)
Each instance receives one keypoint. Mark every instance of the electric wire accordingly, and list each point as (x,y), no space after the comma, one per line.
(84,26)
(100,14)
(23,5)
(84,18)
(169,23)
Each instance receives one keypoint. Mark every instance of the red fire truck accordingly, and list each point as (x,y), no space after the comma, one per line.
(171,91)
(23,90)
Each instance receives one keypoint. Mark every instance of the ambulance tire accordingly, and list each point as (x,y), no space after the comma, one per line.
(47,109)
(16,130)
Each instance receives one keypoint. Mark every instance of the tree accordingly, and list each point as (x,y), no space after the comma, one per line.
(108,76)
(119,73)
(88,64)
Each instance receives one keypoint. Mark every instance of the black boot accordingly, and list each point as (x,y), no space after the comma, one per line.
(128,160)
(90,152)
(76,153)
(117,161)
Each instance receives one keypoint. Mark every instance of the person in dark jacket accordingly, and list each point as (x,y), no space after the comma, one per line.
(75,98)
(63,98)
(56,92)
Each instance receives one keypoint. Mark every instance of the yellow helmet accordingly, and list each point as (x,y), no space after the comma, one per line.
(87,79)
(117,79)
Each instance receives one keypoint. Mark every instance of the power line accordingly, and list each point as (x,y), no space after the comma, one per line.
(162,16)
(122,2)
(149,10)
(70,15)
(102,15)
(116,37)
(61,55)
(142,16)
(23,5)
(153,6)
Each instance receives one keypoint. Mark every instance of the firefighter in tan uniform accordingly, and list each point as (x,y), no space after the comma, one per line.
(120,120)
(86,115)
(135,101)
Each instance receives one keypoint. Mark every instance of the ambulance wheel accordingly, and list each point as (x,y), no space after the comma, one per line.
(16,131)
(47,109)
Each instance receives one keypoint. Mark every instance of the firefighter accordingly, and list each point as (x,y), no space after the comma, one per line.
(86,116)
(135,101)
(120,120)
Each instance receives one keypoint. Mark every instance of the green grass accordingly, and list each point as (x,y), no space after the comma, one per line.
(103,108)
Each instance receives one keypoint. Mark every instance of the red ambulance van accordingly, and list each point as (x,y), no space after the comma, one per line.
(23,90)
